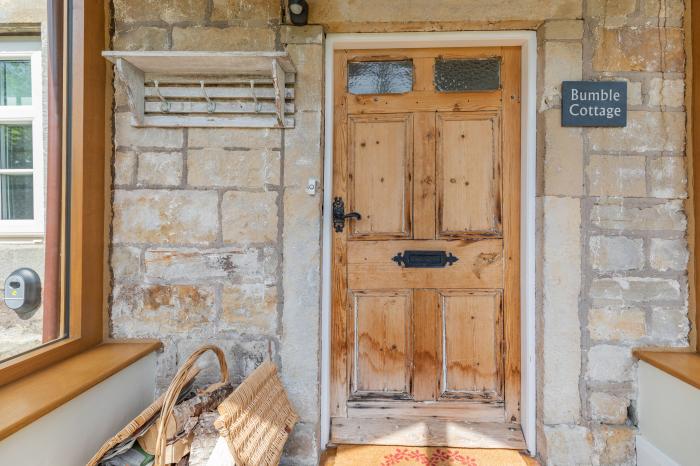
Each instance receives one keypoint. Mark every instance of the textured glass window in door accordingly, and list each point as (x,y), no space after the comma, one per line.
(15,82)
(380,77)
(461,75)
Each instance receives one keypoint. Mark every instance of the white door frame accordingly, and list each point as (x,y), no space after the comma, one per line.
(528,41)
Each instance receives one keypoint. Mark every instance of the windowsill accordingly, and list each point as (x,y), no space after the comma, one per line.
(35,395)
(684,366)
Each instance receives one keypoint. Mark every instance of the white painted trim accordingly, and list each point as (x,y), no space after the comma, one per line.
(649,455)
(528,41)
(31,49)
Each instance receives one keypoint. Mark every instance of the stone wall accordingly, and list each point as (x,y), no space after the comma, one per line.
(613,236)
(215,241)
(22,333)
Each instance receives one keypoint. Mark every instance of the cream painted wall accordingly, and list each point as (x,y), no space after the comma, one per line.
(72,433)
(668,415)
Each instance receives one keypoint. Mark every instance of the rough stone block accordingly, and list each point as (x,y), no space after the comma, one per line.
(250,308)
(670,325)
(568,445)
(165,216)
(611,175)
(637,49)
(245,10)
(302,154)
(561,327)
(159,138)
(301,34)
(234,138)
(245,169)
(301,448)
(189,265)
(608,363)
(611,14)
(563,30)
(668,254)
(614,323)
(344,13)
(126,264)
(302,295)
(141,38)
(12,11)
(223,39)
(160,169)
(308,89)
(645,132)
(563,160)
(616,253)
(668,178)
(159,310)
(635,289)
(607,408)
(169,11)
(667,92)
(249,217)
(665,9)
(666,216)
(563,62)
(124,167)
(615,445)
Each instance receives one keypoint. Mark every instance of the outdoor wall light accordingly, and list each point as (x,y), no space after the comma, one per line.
(299,12)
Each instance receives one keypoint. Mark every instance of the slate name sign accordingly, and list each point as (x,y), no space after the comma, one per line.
(594,103)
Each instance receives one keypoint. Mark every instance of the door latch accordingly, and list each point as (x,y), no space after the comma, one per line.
(339,215)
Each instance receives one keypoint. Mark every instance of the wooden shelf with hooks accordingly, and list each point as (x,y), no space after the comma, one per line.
(207,89)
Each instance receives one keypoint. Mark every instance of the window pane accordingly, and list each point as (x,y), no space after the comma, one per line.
(16,197)
(15,82)
(380,77)
(16,146)
(467,75)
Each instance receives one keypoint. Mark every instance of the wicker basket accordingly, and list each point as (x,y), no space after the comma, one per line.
(165,404)
(256,418)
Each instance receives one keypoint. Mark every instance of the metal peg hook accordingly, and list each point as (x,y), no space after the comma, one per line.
(164,104)
(258,105)
(211,105)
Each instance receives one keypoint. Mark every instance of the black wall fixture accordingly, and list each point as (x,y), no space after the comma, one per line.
(299,12)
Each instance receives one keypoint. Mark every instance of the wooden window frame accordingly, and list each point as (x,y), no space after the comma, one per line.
(85,137)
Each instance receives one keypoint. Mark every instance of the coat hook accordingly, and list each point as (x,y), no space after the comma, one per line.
(164,104)
(211,105)
(258,105)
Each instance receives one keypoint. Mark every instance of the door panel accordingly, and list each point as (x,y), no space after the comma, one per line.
(382,343)
(480,265)
(427,171)
(472,332)
(380,153)
(468,163)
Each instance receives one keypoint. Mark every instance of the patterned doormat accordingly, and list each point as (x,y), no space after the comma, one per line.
(370,455)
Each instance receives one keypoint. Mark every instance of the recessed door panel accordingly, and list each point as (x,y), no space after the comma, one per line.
(468,164)
(380,164)
(472,335)
(382,342)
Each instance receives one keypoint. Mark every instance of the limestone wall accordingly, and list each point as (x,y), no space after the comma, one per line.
(214,239)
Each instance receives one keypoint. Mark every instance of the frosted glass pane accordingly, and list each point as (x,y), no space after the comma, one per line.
(380,77)
(467,75)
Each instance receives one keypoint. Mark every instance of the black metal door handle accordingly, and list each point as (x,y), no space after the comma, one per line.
(339,215)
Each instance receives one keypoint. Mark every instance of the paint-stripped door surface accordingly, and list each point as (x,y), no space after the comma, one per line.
(425,320)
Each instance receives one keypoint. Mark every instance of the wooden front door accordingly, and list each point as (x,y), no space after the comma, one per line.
(426,295)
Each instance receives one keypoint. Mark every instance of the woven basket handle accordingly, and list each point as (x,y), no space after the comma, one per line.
(171,396)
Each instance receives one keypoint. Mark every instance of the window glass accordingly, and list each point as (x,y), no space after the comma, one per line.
(16,146)
(460,75)
(16,197)
(380,77)
(15,82)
